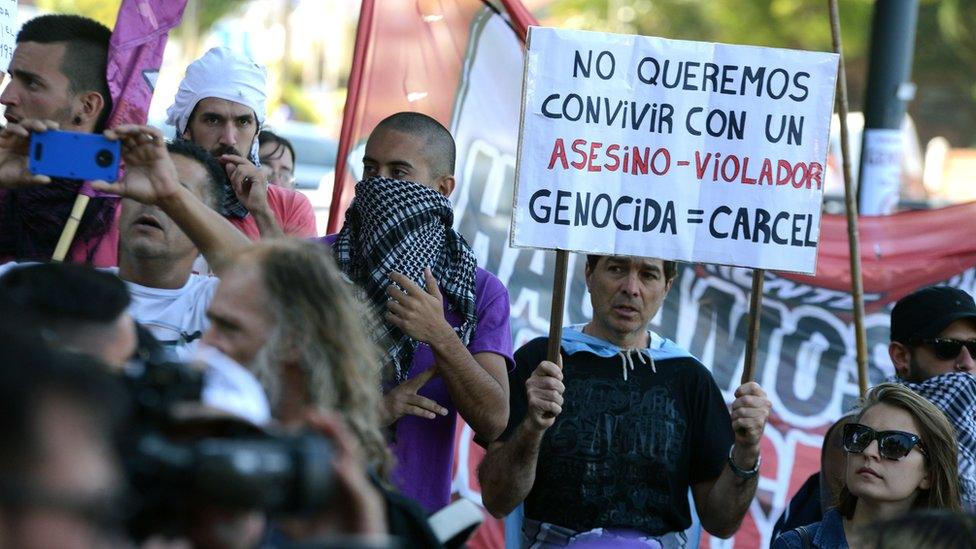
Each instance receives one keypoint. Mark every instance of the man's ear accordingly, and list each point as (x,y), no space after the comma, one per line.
(587,272)
(90,110)
(445,185)
(901,358)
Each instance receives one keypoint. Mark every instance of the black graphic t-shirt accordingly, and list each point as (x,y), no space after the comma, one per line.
(622,454)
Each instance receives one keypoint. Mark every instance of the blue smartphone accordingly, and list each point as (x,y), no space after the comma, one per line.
(74,155)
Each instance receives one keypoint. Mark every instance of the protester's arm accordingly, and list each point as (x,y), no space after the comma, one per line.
(14,146)
(507,472)
(723,502)
(216,238)
(251,188)
(478,384)
(151,178)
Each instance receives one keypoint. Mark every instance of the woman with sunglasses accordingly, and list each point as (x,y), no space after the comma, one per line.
(901,455)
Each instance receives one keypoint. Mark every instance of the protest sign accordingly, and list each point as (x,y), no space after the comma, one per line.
(8,32)
(681,150)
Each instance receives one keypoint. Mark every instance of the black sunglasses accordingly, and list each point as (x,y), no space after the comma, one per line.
(947,348)
(892,445)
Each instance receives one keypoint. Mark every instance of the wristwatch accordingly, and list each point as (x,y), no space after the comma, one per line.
(743,473)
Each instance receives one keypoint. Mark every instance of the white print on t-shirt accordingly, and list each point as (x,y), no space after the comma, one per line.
(177,318)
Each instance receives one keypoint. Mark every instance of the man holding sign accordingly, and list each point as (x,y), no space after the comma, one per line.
(635,146)
(610,444)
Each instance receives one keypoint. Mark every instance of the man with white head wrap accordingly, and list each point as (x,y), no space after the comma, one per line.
(220,105)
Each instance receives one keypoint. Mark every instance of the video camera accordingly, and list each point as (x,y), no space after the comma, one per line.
(181,456)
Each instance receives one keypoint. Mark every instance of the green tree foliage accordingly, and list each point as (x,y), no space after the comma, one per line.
(945,71)
(103,11)
(199,17)
(799,24)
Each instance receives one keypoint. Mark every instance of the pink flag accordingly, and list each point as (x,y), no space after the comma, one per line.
(134,57)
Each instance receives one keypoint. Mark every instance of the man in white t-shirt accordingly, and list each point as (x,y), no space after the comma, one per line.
(163,229)
(156,258)
(166,220)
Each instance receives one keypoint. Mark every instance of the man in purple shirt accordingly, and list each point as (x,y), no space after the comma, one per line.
(442,320)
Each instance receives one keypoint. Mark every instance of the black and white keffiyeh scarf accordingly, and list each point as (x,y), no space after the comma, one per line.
(404,227)
(955,394)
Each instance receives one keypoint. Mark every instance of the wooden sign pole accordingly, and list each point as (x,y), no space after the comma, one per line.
(755,314)
(558,304)
(850,203)
(70,228)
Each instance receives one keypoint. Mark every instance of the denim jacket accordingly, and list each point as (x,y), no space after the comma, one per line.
(826,534)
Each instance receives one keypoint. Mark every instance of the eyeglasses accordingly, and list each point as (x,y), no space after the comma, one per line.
(947,348)
(283,175)
(892,445)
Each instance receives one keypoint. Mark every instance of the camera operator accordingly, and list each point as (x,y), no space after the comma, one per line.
(285,310)
(346,511)
(282,309)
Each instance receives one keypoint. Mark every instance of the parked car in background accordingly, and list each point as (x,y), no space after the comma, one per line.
(315,152)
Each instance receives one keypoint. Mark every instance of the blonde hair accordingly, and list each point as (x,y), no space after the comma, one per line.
(318,317)
(939,439)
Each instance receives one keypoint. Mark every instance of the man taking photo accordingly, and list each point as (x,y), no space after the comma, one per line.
(57,74)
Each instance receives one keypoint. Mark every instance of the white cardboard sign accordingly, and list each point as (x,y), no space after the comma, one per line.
(690,151)
(8,32)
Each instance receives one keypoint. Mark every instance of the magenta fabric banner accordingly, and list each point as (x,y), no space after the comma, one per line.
(134,57)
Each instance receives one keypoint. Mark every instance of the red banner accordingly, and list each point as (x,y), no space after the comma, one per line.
(461,62)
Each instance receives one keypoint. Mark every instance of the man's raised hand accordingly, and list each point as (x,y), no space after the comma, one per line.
(249,183)
(150,175)
(14,149)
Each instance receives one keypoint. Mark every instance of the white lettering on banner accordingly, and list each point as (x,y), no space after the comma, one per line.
(965,280)
(806,352)
(681,150)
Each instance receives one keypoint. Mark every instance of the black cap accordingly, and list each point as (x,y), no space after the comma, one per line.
(928,311)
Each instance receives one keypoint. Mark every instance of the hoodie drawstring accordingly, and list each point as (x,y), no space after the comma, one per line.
(627,361)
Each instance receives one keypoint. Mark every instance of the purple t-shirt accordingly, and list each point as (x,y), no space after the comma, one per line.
(424,448)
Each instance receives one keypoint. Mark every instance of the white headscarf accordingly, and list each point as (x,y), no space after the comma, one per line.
(224,74)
